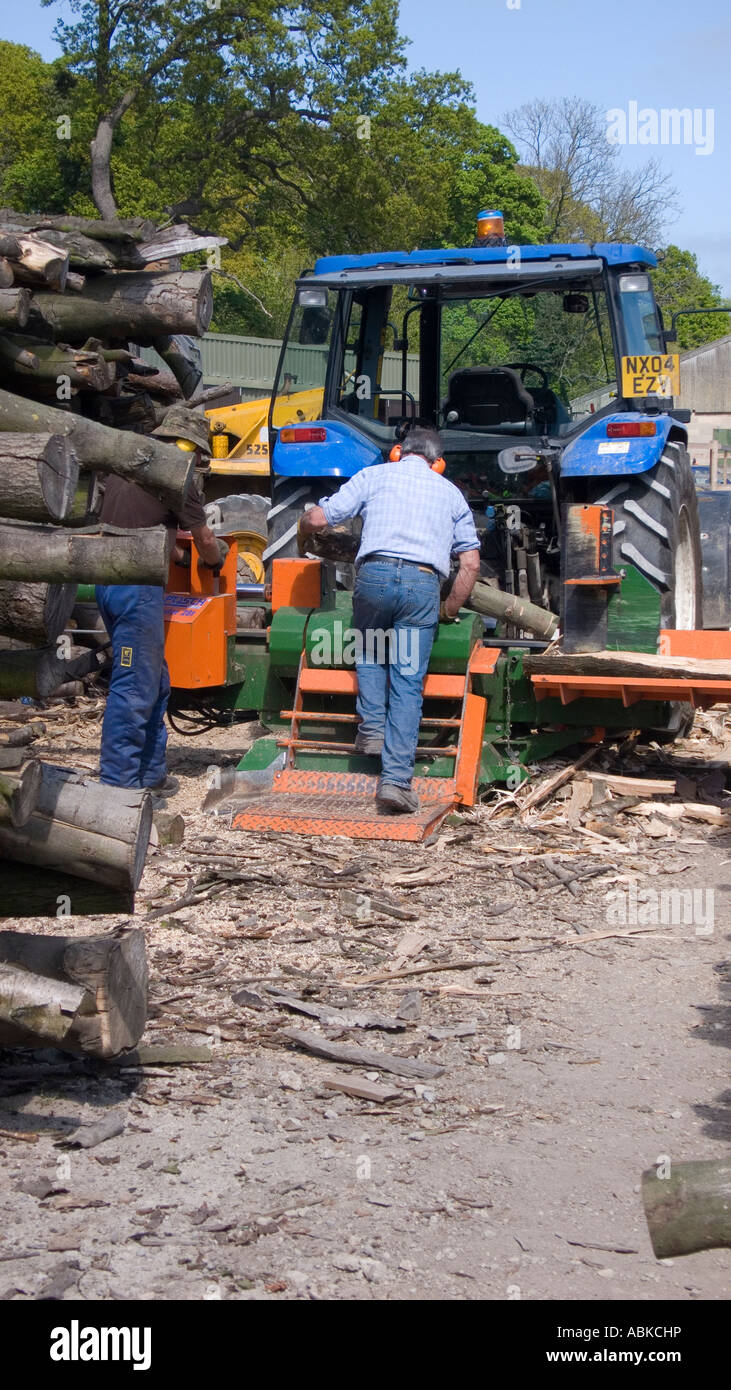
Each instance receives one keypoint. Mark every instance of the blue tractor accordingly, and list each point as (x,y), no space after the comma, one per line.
(548,373)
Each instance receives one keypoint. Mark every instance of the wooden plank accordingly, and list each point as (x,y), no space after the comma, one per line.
(360,1056)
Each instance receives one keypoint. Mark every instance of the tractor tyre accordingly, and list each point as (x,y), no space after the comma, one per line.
(656,530)
(290,498)
(243,515)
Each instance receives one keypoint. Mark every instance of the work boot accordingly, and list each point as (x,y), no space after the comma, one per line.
(400,800)
(370,745)
(168,787)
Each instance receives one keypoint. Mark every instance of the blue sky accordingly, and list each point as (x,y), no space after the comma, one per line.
(673,54)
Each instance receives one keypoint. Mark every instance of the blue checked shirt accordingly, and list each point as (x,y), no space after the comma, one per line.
(408,511)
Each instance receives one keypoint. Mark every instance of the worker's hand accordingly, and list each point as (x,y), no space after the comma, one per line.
(303,536)
(217,565)
(181,556)
(444,614)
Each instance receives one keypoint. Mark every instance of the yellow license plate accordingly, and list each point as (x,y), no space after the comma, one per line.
(654,374)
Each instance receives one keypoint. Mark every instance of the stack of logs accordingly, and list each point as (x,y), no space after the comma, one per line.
(78,299)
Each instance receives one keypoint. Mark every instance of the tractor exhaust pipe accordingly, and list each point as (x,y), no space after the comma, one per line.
(511,608)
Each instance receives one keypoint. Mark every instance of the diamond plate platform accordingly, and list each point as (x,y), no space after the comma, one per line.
(343,803)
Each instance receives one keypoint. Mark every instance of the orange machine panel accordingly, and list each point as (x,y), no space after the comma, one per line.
(195,640)
(707,644)
(296,584)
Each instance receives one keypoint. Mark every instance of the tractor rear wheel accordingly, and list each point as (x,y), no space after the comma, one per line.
(656,530)
(290,498)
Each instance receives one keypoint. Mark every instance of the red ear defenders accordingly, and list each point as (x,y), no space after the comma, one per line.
(438,466)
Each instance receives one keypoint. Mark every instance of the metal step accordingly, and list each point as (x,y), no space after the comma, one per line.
(343,803)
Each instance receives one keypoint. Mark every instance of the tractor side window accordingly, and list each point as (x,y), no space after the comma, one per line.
(639,312)
(354,387)
(299,388)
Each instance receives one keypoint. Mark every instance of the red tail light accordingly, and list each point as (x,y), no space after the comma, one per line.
(630,429)
(313,435)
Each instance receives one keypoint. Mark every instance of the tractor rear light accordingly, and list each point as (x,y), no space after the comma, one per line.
(630,429)
(314,435)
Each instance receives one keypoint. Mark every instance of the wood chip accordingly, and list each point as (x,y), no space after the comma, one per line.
(361,1056)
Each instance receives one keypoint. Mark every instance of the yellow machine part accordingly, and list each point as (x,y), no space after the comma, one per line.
(242,430)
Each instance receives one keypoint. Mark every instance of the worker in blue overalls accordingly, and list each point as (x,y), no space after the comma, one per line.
(134,737)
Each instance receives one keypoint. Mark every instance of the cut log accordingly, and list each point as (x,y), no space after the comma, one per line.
(9,246)
(35,613)
(19,792)
(47,363)
(28,893)
(160,468)
(690,1209)
(39,476)
(40,672)
(109,556)
(136,305)
(84,828)
(120,229)
(14,308)
(183,359)
(81,994)
(7,278)
(40,263)
(627,664)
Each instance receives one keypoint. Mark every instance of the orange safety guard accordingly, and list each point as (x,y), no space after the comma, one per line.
(706,644)
(296,584)
(701,694)
(200,614)
(470,749)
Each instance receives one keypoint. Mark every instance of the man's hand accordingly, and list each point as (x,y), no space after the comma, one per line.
(464,582)
(211,549)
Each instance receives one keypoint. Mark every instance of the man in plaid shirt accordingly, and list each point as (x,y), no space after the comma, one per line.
(414,520)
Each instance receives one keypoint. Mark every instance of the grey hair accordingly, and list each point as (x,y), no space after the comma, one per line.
(422,441)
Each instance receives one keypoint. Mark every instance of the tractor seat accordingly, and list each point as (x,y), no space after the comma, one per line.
(489,396)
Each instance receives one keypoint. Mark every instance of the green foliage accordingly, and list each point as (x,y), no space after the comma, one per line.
(680,285)
(37,169)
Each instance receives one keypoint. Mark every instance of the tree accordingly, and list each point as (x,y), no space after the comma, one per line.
(39,167)
(680,285)
(249,63)
(589,195)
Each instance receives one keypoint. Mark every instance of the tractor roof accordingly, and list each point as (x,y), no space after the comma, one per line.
(402,266)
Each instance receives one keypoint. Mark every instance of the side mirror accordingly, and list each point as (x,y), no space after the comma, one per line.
(576,304)
(518,460)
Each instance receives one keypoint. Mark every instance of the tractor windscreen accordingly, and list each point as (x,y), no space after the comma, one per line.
(532,363)
(300,382)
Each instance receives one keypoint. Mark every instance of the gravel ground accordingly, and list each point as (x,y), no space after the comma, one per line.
(571,1051)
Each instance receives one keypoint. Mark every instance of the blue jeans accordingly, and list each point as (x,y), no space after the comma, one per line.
(402,599)
(134,736)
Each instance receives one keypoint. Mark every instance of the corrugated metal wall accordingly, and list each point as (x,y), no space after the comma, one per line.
(251,363)
(705,378)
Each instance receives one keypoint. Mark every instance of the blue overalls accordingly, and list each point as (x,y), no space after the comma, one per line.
(134,736)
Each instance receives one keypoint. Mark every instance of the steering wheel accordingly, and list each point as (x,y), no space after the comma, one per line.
(522,368)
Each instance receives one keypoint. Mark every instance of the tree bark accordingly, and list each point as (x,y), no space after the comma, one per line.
(160,468)
(111,556)
(629,664)
(14,308)
(46,362)
(39,476)
(7,278)
(19,792)
(35,613)
(690,1209)
(39,673)
(82,994)
(131,305)
(84,828)
(119,229)
(183,365)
